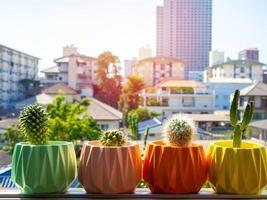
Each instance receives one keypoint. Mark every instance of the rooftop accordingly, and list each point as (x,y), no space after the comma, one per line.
(59,87)
(239,62)
(261,124)
(3,46)
(256,89)
(4,124)
(54,69)
(102,111)
(161,59)
(176,82)
(209,117)
(80,58)
(230,80)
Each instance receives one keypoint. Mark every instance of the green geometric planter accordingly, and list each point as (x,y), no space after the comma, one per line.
(39,169)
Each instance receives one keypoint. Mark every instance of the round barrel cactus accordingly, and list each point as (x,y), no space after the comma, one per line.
(112,138)
(33,124)
(178,130)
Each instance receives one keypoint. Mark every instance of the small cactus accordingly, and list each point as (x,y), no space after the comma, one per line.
(112,138)
(33,124)
(240,126)
(178,130)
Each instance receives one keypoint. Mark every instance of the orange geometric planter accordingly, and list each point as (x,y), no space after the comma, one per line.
(110,170)
(169,169)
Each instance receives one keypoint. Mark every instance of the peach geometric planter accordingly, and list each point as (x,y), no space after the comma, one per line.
(169,169)
(110,170)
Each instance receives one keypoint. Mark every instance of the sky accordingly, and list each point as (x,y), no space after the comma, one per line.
(42,28)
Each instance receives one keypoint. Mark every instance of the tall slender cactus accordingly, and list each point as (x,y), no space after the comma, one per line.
(240,126)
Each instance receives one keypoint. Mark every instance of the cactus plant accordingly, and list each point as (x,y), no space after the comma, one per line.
(33,124)
(178,130)
(240,126)
(112,138)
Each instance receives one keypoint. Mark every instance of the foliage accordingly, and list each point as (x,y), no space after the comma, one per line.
(129,98)
(137,115)
(133,124)
(112,138)
(12,135)
(26,83)
(70,121)
(105,61)
(109,86)
(33,124)
(142,113)
(178,130)
(153,102)
(240,126)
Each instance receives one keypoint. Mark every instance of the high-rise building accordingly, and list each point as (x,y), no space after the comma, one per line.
(184,29)
(249,54)
(15,66)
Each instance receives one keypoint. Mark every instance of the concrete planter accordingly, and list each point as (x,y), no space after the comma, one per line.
(237,170)
(169,169)
(110,170)
(40,169)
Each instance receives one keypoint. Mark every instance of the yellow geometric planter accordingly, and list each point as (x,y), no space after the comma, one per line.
(237,170)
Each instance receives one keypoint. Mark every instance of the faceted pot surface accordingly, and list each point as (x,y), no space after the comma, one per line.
(110,170)
(170,169)
(40,169)
(237,170)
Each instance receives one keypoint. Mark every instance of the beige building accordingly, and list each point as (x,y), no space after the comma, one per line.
(155,69)
(74,69)
(248,69)
(173,96)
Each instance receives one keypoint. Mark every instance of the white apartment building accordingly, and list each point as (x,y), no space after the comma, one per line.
(14,66)
(245,69)
(155,69)
(74,69)
(173,96)
(184,31)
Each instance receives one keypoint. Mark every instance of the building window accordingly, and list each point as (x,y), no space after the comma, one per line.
(162,67)
(60,78)
(104,126)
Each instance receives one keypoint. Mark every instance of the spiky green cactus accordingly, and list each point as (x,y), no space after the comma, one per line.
(240,126)
(112,138)
(178,130)
(33,124)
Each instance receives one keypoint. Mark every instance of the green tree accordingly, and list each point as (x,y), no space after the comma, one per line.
(133,124)
(12,135)
(129,99)
(70,121)
(109,86)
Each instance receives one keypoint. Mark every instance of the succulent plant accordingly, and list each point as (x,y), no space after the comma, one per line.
(240,126)
(178,130)
(33,124)
(112,138)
